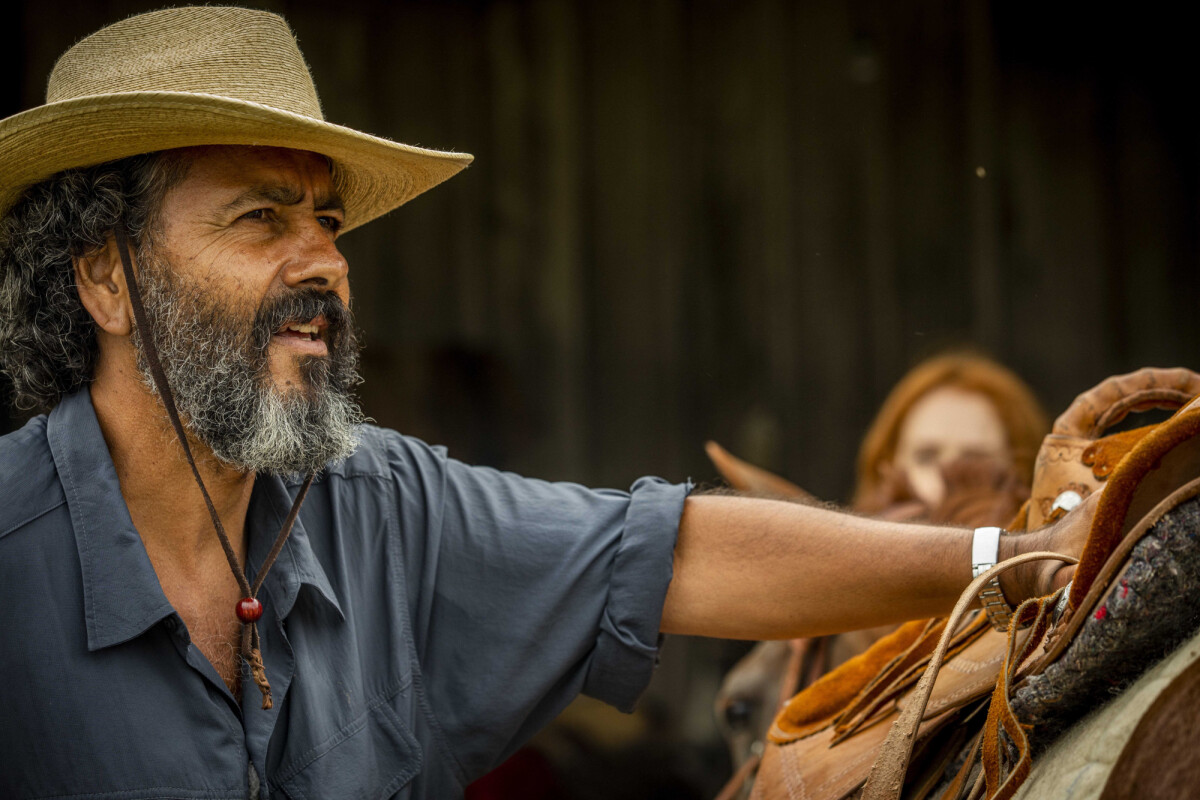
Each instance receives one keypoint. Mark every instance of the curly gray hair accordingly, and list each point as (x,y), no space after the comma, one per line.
(47,338)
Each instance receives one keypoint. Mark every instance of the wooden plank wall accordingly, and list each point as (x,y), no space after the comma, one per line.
(741,220)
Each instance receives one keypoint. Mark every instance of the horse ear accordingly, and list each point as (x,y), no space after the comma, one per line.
(745,477)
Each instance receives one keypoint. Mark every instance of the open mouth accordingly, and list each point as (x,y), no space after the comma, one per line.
(302,333)
(312,330)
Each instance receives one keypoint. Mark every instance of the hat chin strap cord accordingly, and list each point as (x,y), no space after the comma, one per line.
(249,608)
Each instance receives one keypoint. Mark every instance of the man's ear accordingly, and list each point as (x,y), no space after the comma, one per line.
(102,289)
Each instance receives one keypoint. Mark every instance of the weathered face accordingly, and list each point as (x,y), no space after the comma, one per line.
(248,299)
(251,223)
(941,427)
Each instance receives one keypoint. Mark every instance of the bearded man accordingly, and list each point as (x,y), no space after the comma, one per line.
(201,517)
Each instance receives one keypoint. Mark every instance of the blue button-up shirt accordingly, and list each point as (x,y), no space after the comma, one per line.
(424,619)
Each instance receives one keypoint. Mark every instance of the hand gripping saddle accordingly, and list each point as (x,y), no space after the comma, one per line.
(949,708)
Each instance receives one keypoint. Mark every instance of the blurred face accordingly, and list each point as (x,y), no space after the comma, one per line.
(941,427)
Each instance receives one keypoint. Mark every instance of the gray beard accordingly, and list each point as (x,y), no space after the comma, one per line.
(216,365)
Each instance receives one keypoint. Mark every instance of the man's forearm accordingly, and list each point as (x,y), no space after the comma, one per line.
(760,569)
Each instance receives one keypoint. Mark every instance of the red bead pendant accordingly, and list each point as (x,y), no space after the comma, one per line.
(249,609)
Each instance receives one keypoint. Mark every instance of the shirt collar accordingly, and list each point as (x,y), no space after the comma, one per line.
(121,593)
(297,564)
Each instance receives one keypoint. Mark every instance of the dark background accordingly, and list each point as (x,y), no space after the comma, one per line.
(741,220)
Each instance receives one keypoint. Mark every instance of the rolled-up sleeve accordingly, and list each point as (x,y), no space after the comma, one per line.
(628,640)
(524,593)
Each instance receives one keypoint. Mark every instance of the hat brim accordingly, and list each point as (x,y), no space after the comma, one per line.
(374,175)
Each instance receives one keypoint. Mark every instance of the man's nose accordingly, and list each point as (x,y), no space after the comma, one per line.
(315,259)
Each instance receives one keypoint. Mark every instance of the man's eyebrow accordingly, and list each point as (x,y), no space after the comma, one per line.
(278,194)
(284,195)
(329,201)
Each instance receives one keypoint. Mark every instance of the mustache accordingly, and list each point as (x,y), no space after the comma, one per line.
(302,305)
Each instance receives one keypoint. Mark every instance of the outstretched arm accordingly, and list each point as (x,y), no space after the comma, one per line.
(761,569)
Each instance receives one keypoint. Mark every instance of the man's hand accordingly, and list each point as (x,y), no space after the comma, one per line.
(1067,536)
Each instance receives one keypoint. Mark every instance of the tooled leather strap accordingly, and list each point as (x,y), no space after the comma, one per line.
(250,643)
(886,780)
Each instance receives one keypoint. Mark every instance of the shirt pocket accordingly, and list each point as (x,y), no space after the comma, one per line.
(372,757)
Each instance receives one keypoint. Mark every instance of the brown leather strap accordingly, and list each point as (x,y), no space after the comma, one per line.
(977,791)
(902,675)
(889,680)
(827,699)
(1000,712)
(886,780)
(250,643)
(817,661)
(168,400)
(792,676)
(958,785)
(744,773)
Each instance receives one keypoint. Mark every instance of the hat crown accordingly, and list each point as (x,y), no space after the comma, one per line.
(229,52)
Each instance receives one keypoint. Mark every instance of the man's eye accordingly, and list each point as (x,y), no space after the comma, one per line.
(258,213)
(331,223)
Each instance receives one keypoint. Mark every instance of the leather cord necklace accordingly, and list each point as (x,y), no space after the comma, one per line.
(249,609)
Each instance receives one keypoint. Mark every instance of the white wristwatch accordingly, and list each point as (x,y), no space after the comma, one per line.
(985,550)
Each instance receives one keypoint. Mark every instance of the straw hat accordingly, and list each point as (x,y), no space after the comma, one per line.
(202,76)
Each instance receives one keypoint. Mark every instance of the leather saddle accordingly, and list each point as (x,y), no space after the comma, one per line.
(950,708)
